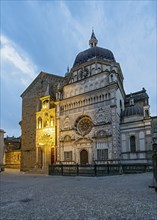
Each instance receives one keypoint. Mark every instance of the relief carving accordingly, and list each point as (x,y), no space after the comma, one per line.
(66,124)
(46,139)
(103,133)
(83,73)
(103,116)
(67,138)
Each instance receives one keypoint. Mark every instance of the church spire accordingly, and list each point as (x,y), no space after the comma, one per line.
(93,41)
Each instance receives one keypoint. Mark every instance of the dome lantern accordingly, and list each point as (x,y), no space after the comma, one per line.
(93,52)
(93,41)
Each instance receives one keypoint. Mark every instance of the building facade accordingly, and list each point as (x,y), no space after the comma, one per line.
(12,157)
(85,116)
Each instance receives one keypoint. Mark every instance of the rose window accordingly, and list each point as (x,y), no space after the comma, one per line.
(84,125)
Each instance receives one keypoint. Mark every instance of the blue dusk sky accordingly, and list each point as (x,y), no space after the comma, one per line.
(47,35)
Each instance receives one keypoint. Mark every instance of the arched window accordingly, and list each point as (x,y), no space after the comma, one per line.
(93,71)
(46,120)
(39,122)
(132,144)
(51,120)
(111,78)
(146,113)
(99,70)
(46,104)
(100,98)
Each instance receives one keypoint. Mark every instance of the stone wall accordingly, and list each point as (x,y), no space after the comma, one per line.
(30,105)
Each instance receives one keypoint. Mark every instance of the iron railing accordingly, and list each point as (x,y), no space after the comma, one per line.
(97,169)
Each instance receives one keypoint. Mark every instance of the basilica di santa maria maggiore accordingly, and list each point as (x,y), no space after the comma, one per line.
(86,116)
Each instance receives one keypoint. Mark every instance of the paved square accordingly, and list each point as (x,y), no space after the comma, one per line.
(42,197)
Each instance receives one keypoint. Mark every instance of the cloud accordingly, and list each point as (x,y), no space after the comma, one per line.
(17,71)
(13,56)
(80,27)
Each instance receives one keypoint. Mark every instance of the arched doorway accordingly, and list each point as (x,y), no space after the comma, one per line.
(83,157)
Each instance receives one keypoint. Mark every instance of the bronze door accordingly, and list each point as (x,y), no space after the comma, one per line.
(83,157)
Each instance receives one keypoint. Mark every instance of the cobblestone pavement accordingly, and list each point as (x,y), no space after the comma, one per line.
(42,197)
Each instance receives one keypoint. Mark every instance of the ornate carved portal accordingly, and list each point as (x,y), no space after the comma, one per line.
(83,151)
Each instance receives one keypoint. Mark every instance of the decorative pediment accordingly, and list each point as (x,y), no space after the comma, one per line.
(67,138)
(103,116)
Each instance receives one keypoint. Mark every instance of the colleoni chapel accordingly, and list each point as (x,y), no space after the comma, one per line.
(86,116)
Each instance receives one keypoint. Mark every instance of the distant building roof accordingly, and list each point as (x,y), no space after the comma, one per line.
(132,110)
(12,139)
(137,96)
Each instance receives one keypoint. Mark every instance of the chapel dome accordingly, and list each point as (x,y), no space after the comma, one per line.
(93,52)
(132,110)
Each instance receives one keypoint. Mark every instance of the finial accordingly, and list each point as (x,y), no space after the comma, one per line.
(144,90)
(68,69)
(93,41)
(67,73)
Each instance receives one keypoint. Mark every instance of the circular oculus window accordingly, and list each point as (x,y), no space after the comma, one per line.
(84,125)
